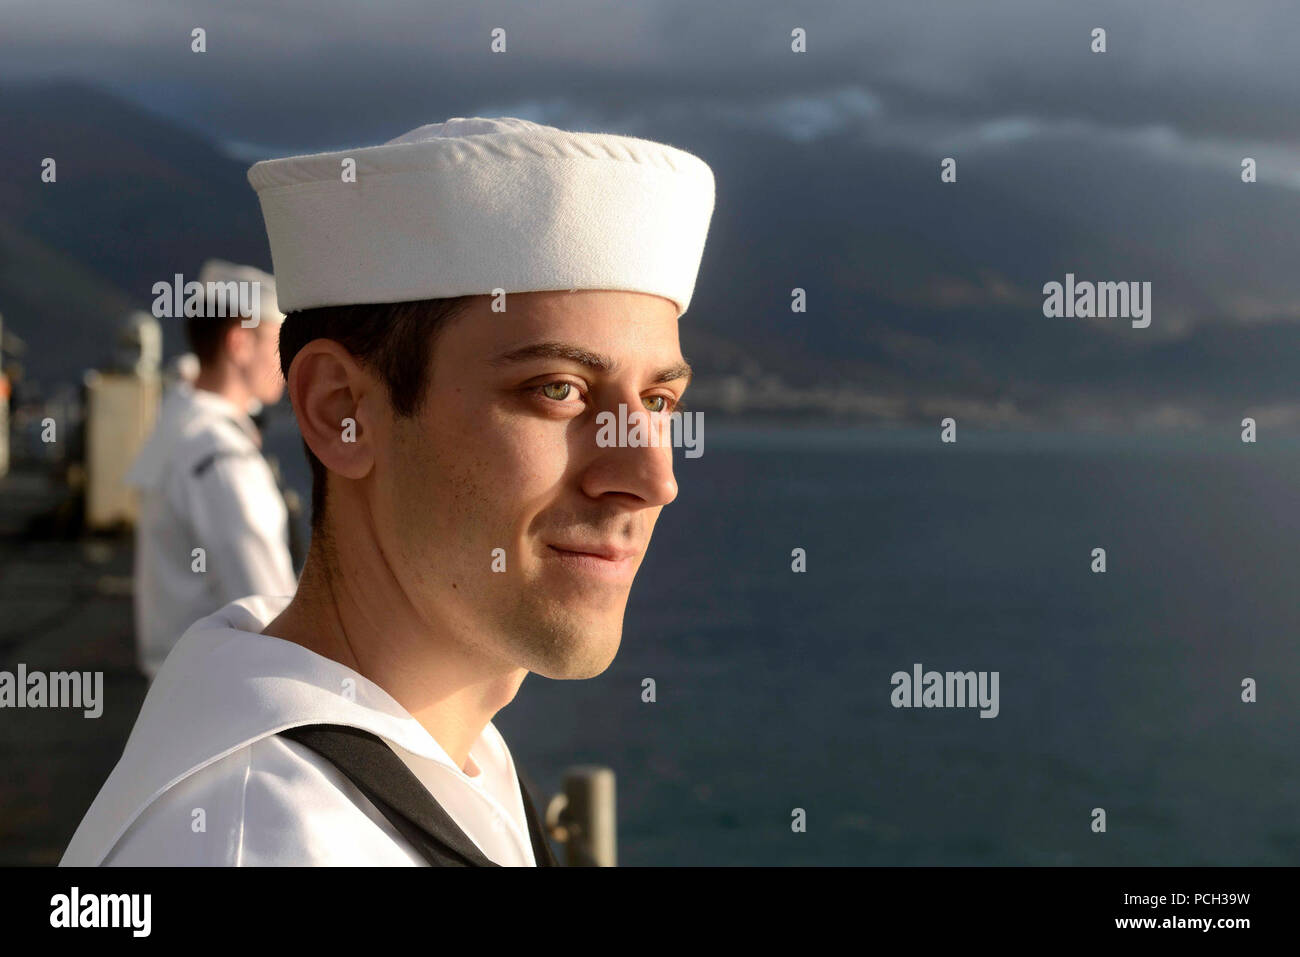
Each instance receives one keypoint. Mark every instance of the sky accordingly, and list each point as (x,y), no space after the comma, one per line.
(1126,161)
(1197,82)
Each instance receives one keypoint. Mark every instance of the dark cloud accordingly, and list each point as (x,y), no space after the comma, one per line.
(300,74)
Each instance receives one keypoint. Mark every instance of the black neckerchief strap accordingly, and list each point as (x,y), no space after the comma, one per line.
(369,763)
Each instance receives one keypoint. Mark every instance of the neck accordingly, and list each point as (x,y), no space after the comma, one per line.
(351,609)
(225,382)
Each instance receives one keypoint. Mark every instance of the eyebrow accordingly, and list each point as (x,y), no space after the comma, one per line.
(584,357)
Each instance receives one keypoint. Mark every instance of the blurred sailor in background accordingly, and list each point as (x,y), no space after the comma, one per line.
(212,526)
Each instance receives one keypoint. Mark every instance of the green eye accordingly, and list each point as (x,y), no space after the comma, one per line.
(662,400)
(559,391)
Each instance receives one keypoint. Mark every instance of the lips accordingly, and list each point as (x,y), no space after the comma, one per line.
(609,553)
(583,563)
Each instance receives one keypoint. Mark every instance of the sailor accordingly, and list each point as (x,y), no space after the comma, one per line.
(212,521)
(461,313)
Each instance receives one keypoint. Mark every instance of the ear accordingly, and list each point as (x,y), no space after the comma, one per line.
(333,399)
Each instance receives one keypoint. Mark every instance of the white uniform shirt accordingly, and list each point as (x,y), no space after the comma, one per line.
(206,780)
(202,483)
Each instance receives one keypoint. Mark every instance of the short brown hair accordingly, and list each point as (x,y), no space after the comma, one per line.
(206,334)
(393,339)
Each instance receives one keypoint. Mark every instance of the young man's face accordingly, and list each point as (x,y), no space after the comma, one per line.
(255,352)
(503,454)
(267,380)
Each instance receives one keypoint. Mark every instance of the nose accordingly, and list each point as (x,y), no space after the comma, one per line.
(643,472)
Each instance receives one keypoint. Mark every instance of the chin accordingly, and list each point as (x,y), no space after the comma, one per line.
(576,656)
(559,639)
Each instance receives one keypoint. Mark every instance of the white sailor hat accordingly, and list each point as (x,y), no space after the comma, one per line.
(221,271)
(470,206)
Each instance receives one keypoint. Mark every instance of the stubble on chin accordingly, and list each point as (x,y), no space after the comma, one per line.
(563,644)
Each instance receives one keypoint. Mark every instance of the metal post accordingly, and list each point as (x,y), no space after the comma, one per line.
(5,388)
(583,818)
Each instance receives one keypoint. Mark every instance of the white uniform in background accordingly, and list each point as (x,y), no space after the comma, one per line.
(205,780)
(203,483)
